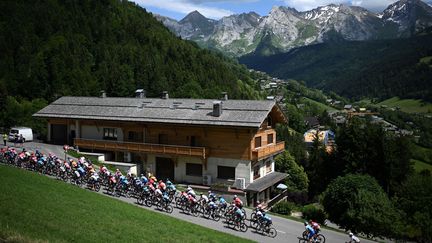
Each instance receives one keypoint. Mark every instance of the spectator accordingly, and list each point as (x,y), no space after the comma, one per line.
(15,139)
(5,136)
(21,140)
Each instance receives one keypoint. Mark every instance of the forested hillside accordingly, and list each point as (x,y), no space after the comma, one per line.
(380,69)
(53,48)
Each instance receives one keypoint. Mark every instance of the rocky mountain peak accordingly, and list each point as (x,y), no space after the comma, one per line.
(411,15)
(285,28)
(193,17)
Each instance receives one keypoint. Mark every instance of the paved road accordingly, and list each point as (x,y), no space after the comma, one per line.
(288,230)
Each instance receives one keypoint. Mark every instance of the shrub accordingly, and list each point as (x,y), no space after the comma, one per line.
(298,197)
(311,211)
(283,207)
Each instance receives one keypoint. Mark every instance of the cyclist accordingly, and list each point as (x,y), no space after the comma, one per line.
(353,238)
(222,202)
(162,185)
(237,202)
(212,196)
(310,230)
(238,213)
(144,179)
(315,226)
(191,192)
(204,198)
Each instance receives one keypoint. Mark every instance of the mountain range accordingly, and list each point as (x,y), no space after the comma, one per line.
(285,28)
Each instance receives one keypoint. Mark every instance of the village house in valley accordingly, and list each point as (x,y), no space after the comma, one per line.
(198,141)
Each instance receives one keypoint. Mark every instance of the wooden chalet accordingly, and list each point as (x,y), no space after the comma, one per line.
(189,140)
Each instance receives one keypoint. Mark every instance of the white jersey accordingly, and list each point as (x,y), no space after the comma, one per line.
(355,238)
(205,198)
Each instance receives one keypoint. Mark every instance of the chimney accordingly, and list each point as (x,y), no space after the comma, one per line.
(103,94)
(217,108)
(140,93)
(224,96)
(165,95)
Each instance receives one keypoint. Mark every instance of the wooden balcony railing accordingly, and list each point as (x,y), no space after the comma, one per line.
(266,151)
(201,152)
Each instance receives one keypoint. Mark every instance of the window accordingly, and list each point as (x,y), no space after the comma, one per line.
(226,172)
(256,172)
(270,138)
(257,142)
(110,133)
(193,169)
(193,141)
(269,166)
(269,121)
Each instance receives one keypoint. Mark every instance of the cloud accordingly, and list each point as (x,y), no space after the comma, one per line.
(187,6)
(303,5)
(374,5)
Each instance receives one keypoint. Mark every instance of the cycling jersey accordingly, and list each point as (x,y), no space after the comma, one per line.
(311,231)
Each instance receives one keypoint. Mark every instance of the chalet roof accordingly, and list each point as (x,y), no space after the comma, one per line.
(239,113)
(265,182)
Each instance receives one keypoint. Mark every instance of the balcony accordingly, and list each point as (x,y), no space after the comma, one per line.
(200,152)
(266,151)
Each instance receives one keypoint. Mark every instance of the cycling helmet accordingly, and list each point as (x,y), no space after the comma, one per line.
(350,234)
(305,223)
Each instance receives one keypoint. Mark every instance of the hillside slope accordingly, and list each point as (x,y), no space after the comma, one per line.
(54,48)
(380,69)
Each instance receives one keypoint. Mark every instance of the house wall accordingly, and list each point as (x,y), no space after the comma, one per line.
(93,132)
(242,168)
(228,146)
(262,164)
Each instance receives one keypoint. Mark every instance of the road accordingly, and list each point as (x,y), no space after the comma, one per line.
(288,230)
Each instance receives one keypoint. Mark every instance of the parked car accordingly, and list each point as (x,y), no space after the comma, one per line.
(26,132)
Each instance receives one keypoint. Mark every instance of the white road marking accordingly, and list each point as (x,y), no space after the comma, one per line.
(280,231)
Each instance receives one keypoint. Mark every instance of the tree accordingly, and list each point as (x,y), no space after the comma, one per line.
(294,142)
(297,179)
(414,199)
(358,203)
(366,148)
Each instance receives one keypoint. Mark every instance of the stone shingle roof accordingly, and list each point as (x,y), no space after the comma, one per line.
(265,182)
(239,113)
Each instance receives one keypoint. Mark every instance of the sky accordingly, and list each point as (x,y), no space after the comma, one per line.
(216,9)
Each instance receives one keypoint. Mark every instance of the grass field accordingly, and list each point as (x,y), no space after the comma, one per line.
(422,154)
(37,208)
(420,165)
(321,106)
(408,105)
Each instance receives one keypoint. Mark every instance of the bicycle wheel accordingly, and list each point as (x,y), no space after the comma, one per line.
(305,234)
(216,216)
(195,211)
(243,227)
(97,187)
(206,214)
(169,208)
(254,224)
(320,238)
(148,202)
(140,200)
(271,232)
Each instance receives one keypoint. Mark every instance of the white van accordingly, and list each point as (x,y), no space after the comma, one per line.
(25,131)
